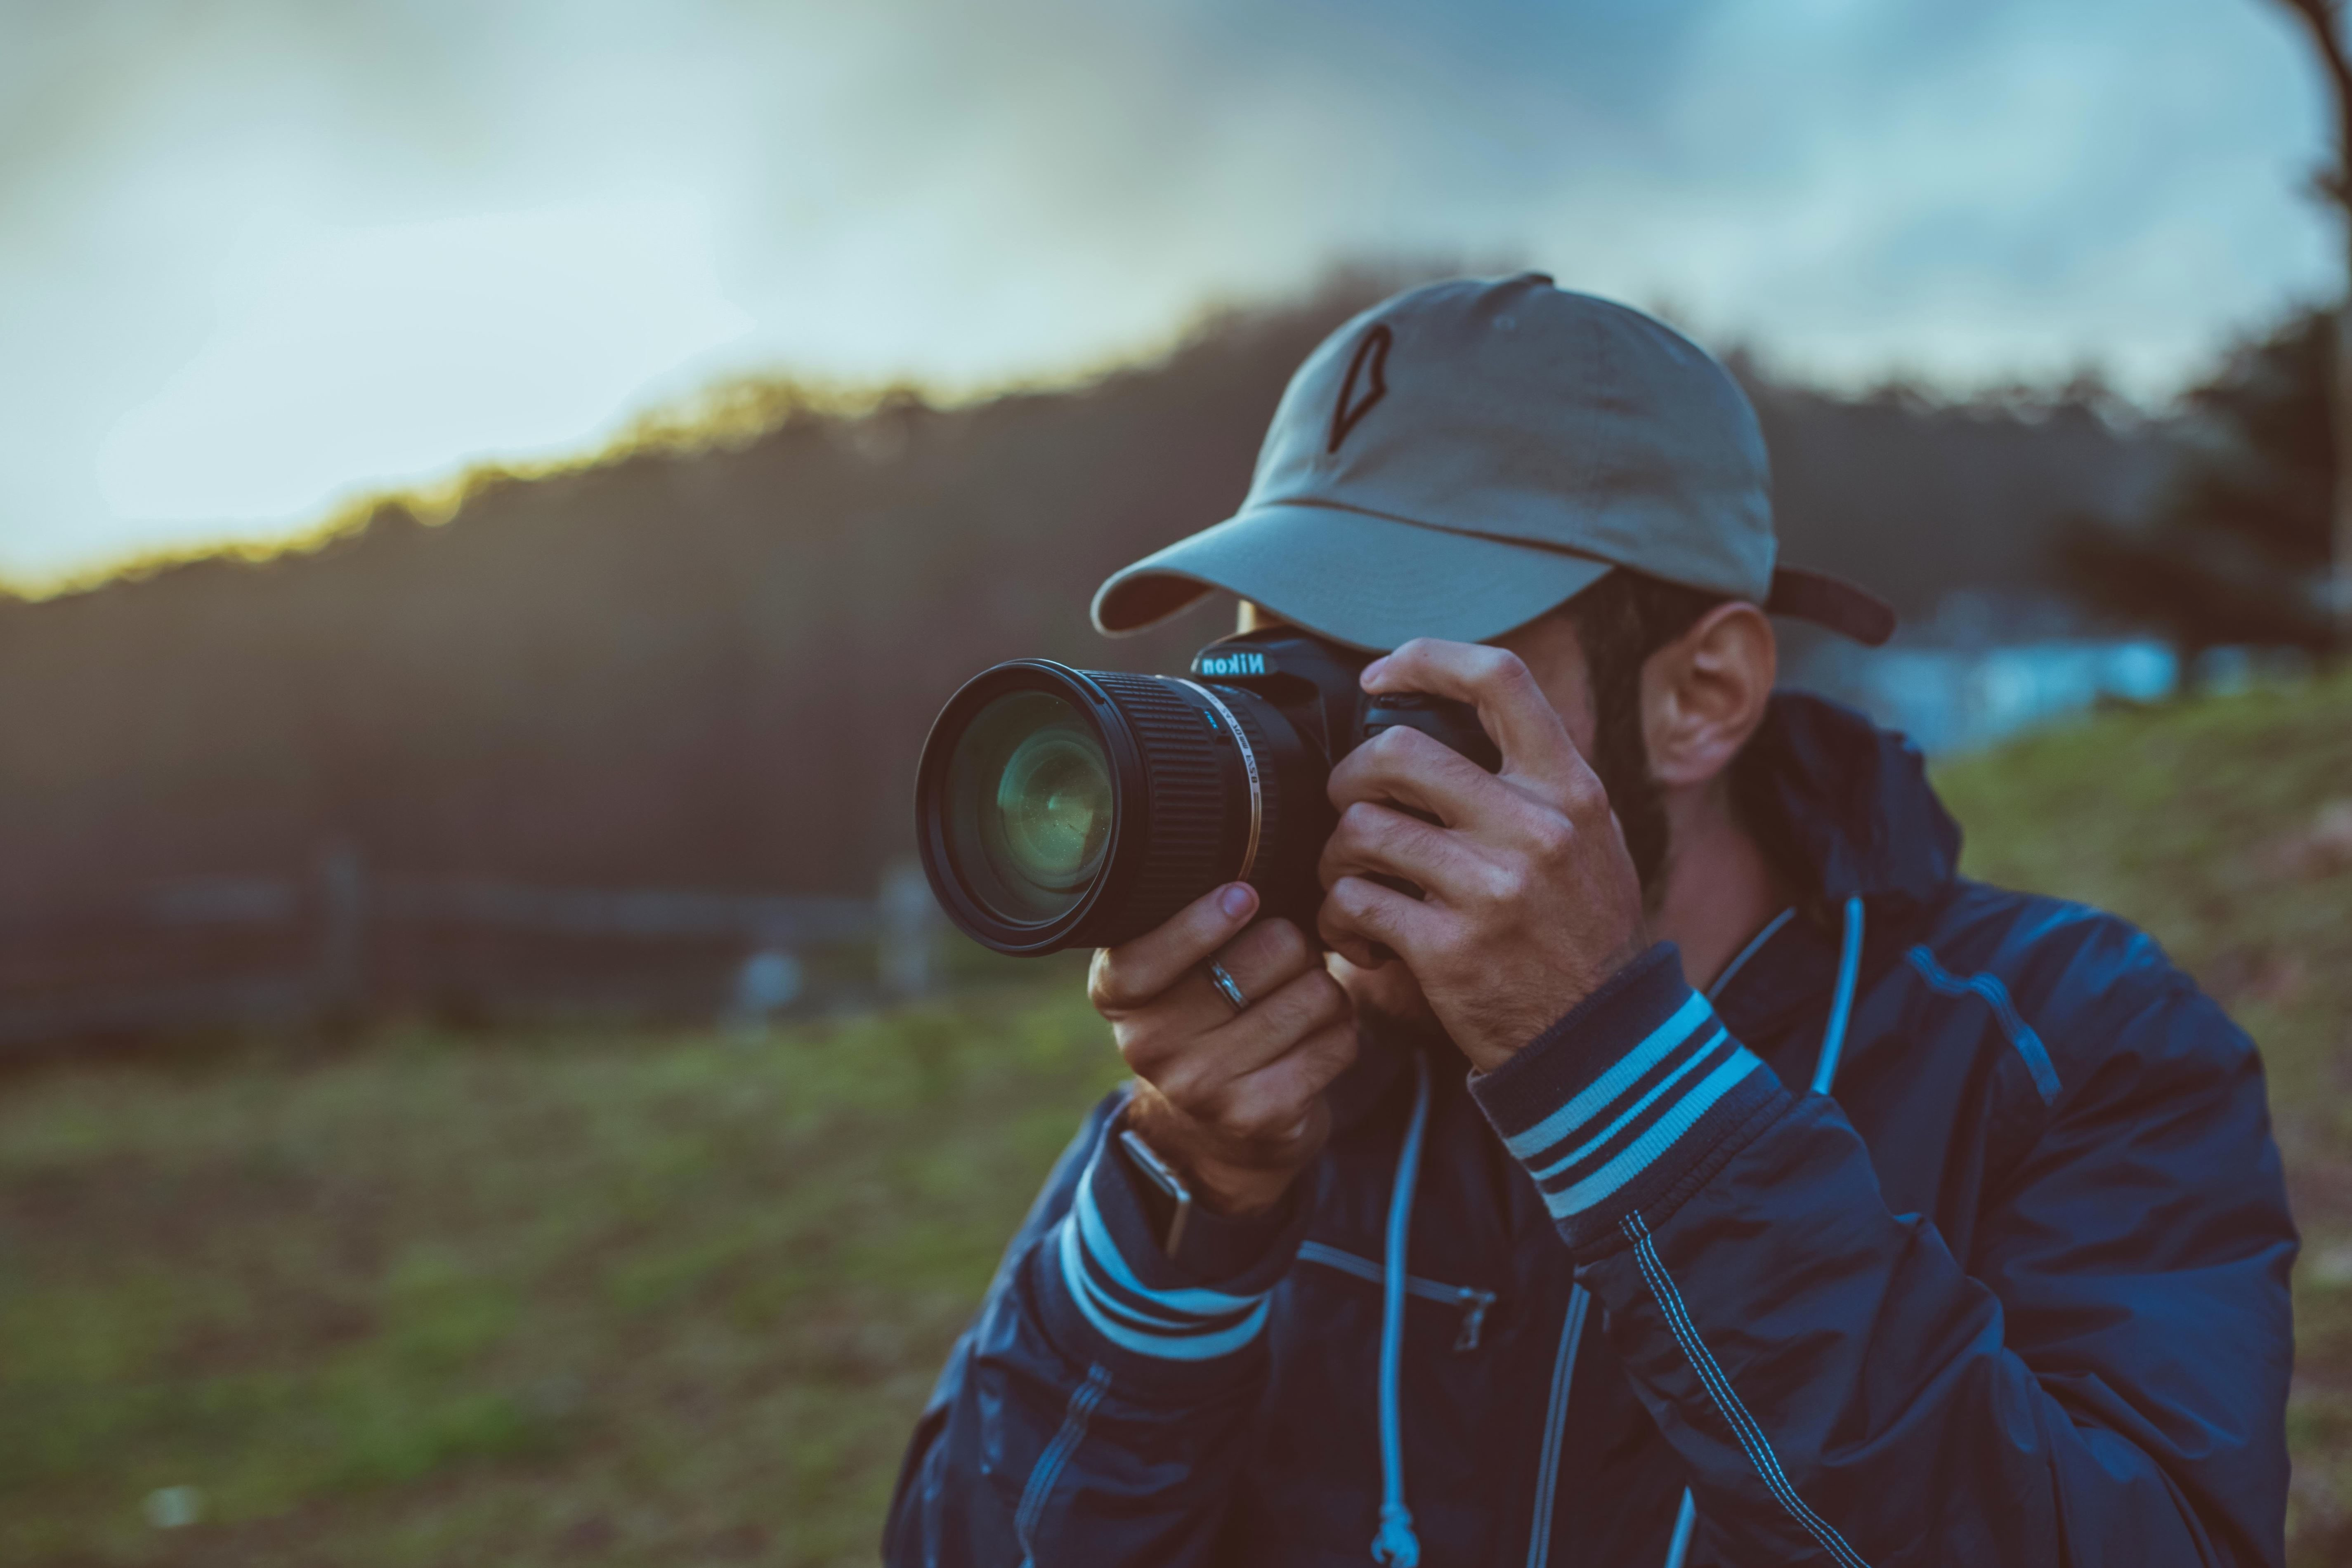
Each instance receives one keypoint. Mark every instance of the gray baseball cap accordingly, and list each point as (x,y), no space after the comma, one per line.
(1466,457)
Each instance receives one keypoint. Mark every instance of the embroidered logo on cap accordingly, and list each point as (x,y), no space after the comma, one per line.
(1372,358)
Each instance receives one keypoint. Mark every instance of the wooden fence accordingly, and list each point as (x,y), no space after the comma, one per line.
(273,952)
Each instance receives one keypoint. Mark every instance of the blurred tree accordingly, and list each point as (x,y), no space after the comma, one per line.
(2237,551)
(2322,22)
(708,658)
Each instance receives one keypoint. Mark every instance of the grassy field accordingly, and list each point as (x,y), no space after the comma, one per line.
(626,1299)
(629,1298)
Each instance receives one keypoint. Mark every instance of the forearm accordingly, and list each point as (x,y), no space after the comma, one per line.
(1839,1387)
(1094,1413)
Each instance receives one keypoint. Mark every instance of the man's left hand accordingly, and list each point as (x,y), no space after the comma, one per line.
(1531,899)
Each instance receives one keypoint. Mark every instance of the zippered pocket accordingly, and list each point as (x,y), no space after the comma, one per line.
(1471,1302)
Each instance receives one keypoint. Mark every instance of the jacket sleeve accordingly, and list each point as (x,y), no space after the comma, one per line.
(2107,1390)
(1091,1413)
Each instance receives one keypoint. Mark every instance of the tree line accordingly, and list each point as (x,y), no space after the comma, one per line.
(711,663)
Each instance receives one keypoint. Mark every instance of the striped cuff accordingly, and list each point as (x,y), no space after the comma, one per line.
(1141,1310)
(1621,1101)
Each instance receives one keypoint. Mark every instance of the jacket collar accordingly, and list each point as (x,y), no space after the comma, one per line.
(1845,809)
(1848,804)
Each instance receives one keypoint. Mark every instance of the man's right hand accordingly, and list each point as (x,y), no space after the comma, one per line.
(1234,1101)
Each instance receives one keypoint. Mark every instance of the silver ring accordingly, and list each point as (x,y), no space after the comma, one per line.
(1225,986)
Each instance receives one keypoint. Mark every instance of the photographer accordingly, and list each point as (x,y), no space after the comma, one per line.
(1688,1167)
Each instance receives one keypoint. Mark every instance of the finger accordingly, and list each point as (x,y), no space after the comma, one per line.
(1126,976)
(1195,1076)
(1260,961)
(1495,682)
(1420,773)
(1358,913)
(1376,838)
(1277,1102)
(1263,957)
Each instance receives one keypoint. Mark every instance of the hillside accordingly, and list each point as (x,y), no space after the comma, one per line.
(712,665)
(630,1299)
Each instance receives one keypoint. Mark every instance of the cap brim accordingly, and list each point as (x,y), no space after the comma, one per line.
(1357,577)
(1831,601)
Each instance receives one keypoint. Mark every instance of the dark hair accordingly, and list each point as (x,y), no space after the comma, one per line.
(1620,622)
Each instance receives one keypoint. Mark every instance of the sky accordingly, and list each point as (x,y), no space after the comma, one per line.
(261,257)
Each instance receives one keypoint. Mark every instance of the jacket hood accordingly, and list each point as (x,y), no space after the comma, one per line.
(1847,809)
(1849,801)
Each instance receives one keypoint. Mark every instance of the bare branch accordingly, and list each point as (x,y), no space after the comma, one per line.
(2322,20)
(2319,18)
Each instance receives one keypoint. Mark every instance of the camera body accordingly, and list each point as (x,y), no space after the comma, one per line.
(1059,808)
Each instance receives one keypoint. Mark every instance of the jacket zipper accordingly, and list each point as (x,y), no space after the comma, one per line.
(1473,1303)
(1563,1374)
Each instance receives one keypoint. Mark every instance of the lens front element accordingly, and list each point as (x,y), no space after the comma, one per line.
(1029,805)
(1054,808)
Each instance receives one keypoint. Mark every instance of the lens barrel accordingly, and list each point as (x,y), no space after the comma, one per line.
(1060,807)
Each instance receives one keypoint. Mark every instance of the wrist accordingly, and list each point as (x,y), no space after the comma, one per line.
(1203,1244)
(1509,1032)
(1234,1189)
(1628,1094)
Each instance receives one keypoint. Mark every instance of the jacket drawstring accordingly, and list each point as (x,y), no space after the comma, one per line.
(1842,1000)
(1825,1067)
(1396,1546)
(1686,1519)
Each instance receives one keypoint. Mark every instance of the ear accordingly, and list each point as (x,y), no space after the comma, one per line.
(1704,693)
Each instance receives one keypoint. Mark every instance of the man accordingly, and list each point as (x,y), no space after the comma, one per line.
(1699,1171)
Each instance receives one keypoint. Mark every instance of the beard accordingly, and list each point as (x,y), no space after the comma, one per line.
(1621,760)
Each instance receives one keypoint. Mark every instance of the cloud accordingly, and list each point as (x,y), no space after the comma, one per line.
(971,194)
(345,358)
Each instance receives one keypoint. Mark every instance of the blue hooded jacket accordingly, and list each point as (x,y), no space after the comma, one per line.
(1947,1228)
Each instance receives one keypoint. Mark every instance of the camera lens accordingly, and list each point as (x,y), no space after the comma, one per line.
(1060,807)
(1031,789)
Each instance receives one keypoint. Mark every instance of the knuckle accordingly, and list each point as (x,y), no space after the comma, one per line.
(1329,1001)
(1553,838)
(1506,670)
(1227,1110)
(1411,746)
(1182,1085)
(1387,749)
(1140,1048)
(1260,1118)
(1584,795)
(1285,945)
(1360,824)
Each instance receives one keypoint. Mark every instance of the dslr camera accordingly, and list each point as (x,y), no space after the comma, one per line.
(1058,808)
